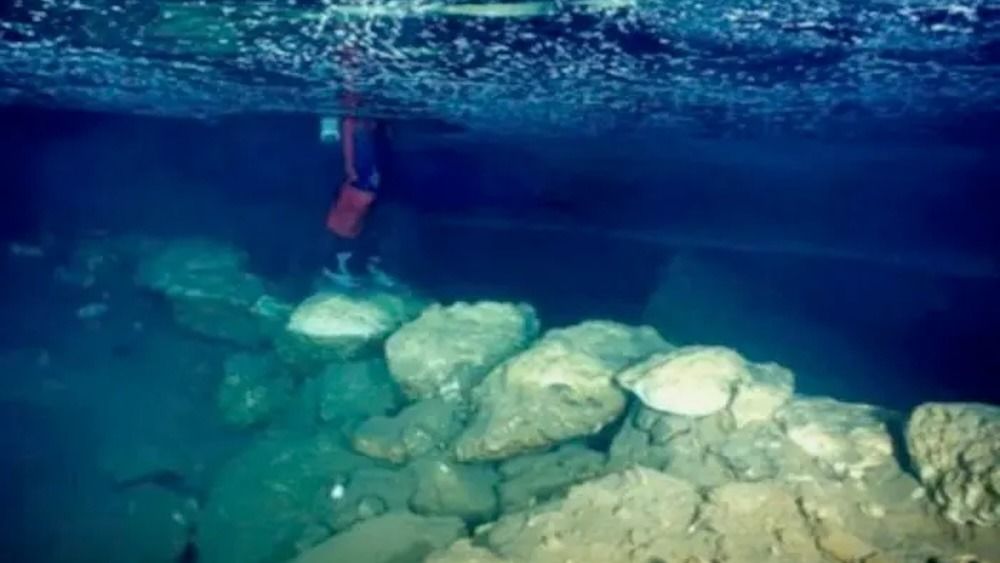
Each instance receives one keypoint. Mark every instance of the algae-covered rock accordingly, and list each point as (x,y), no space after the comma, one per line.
(760,522)
(956,449)
(336,327)
(762,451)
(681,445)
(451,489)
(560,388)
(419,429)
(267,501)
(210,290)
(760,396)
(637,515)
(642,515)
(535,478)
(368,493)
(885,518)
(709,450)
(692,381)
(253,389)
(617,345)
(729,493)
(701,380)
(356,390)
(396,537)
(845,439)
(448,350)
(634,445)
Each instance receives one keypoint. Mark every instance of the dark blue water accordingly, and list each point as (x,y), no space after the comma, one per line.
(870,267)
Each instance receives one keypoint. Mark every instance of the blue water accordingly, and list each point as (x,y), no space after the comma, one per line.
(869,267)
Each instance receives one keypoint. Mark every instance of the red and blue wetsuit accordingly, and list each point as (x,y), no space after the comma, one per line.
(361,145)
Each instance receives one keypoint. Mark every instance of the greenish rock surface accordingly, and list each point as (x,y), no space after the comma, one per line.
(683,446)
(453,489)
(419,429)
(560,388)
(396,537)
(448,350)
(956,450)
(333,327)
(254,389)
(709,450)
(269,502)
(368,493)
(210,291)
(356,390)
(537,478)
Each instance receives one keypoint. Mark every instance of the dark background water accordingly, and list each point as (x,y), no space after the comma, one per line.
(870,267)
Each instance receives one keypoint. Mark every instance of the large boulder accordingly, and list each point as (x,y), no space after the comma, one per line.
(560,388)
(956,449)
(268,503)
(336,327)
(254,389)
(356,390)
(847,440)
(425,427)
(448,350)
(452,489)
(211,292)
(701,380)
(396,537)
(642,515)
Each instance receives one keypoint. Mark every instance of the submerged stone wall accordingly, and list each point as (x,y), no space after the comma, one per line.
(594,442)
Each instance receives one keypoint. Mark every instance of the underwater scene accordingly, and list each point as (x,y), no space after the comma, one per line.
(500,281)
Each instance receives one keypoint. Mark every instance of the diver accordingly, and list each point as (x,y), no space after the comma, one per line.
(352,256)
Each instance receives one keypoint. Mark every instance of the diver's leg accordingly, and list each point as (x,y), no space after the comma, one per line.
(341,265)
(369,249)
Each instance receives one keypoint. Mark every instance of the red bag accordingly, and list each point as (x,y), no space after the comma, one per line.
(347,216)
